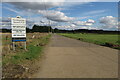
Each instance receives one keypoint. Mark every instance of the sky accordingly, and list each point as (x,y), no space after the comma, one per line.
(63,15)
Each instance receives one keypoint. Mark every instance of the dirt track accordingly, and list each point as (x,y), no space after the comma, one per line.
(70,58)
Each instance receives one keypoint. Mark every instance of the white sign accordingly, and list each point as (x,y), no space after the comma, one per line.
(18,27)
(18,21)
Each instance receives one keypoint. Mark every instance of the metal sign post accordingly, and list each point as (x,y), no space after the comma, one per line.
(18,25)
(13,46)
(25,45)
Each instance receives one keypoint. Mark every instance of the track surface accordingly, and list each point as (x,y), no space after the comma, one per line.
(70,58)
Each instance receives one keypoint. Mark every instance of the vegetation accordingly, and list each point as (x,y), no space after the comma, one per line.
(38,28)
(35,47)
(86,31)
(101,39)
(35,28)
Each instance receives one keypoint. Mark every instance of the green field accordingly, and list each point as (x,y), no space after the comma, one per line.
(100,39)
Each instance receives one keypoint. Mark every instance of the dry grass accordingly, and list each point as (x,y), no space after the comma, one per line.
(14,62)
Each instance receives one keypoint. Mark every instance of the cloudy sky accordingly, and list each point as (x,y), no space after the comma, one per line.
(63,14)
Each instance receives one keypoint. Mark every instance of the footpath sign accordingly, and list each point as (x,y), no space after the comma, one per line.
(18,26)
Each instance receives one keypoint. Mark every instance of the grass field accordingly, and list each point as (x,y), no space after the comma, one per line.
(35,47)
(100,39)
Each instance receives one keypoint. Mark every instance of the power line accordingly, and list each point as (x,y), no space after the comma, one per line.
(46,17)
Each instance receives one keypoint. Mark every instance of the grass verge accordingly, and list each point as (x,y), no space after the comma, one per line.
(34,51)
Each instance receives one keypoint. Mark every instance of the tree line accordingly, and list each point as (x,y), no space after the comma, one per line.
(37,28)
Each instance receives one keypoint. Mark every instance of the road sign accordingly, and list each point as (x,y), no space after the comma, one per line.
(18,26)
(18,29)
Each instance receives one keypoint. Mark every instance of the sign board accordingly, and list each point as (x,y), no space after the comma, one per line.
(18,29)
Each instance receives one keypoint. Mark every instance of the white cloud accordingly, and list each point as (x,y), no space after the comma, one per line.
(83,17)
(35,5)
(90,28)
(94,12)
(109,22)
(12,10)
(62,27)
(61,0)
(5,22)
(5,19)
(30,8)
(61,9)
(21,13)
(33,0)
(56,15)
(67,27)
(89,22)
(73,27)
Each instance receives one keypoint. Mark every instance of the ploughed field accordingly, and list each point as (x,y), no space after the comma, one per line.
(109,40)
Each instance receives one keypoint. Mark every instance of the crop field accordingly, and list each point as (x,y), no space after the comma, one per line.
(110,40)
(35,45)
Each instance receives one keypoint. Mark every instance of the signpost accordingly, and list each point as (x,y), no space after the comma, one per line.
(18,25)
